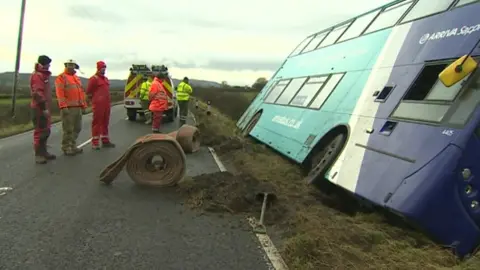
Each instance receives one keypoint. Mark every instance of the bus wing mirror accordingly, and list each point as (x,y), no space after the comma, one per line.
(457,70)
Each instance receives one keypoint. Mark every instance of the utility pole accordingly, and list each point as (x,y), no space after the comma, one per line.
(19,54)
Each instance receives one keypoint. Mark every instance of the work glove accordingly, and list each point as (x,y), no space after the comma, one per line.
(46,113)
(84,111)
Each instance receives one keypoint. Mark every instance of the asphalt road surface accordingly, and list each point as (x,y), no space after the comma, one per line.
(59,216)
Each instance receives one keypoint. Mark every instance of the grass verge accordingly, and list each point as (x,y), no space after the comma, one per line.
(310,229)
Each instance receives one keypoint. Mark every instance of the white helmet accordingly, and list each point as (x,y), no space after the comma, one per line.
(72,62)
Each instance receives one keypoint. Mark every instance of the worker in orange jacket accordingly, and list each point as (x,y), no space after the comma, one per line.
(98,94)
(158,101)
(72,104)
(41,105)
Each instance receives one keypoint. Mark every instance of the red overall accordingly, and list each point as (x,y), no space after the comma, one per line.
(99,94)
(41,101)
(158,103)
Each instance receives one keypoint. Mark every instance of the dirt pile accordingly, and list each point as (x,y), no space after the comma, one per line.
(224,192)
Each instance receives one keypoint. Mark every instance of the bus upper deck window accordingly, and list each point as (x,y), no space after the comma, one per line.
(389,16)
(464,2)
(424,8)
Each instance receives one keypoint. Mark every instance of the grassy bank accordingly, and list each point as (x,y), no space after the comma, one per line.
(22,122)
(312,231)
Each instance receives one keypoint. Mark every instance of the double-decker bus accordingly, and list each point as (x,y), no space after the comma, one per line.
(361,105)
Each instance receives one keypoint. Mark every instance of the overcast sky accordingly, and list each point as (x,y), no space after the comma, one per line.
(235,41)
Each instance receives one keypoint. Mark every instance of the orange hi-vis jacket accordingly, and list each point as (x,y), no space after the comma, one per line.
(157,96)
(68,88)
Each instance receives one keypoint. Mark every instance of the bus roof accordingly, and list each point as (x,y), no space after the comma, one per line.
(412,4)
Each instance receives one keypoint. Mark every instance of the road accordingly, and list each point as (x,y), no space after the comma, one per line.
(58,216)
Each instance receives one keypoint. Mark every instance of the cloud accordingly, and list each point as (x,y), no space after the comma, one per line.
(210,39)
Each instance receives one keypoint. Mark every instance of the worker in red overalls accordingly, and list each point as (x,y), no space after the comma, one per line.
(98,93)
(40,104)
(158,101)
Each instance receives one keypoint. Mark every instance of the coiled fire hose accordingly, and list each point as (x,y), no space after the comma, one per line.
(156,159)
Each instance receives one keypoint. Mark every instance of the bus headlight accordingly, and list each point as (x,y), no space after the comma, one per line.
(474,204)
(468,189)
(466,173)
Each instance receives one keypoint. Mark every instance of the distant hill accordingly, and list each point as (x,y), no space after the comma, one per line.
(6,82)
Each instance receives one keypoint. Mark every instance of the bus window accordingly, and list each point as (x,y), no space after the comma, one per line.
(464,2)
(326,90)
(389,16)
(300,46)
(423,8)
(276,90)
(427,99)
(290,91)
(315,41)
(308,91)
(467,102)
(358,26)
(334,35)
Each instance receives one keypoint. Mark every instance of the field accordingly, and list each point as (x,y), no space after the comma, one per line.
(312,230)
(22,121)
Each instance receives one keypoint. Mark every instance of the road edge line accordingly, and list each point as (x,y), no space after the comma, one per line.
(266,243)
(220,165)
(272,252)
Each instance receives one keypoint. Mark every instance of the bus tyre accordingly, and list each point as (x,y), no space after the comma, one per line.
(323,159)
(132,114)
(249,127)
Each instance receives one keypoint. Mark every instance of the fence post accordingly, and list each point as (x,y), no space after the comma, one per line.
(208,107)
(196,103)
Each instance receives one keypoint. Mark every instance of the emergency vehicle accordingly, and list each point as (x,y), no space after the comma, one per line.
(132,100)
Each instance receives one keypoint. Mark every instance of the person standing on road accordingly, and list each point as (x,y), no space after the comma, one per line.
(41,104)
(98,93)
(144,90)
(184,90)
(158,101)
(72,104)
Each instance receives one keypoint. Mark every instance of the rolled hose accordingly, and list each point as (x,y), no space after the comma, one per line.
(156,159)
(188,137)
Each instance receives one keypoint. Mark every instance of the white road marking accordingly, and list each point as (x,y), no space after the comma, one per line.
(5,188)
(267,245)
(84,143)
(217,160)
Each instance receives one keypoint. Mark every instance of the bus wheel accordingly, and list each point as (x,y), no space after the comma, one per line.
(323,159)
(132,114)
(249,127)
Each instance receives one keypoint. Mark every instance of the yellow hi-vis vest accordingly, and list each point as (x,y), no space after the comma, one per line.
(144,90)
(184,91)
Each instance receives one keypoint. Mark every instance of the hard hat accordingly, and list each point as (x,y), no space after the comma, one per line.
(71,61)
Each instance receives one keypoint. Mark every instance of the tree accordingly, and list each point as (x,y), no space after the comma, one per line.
(259,83)
(224,83)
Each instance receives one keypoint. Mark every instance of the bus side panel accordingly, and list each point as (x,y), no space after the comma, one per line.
(447,35)
(425,192)
(278,127)
(427,141)
(346,170)
(354,57)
